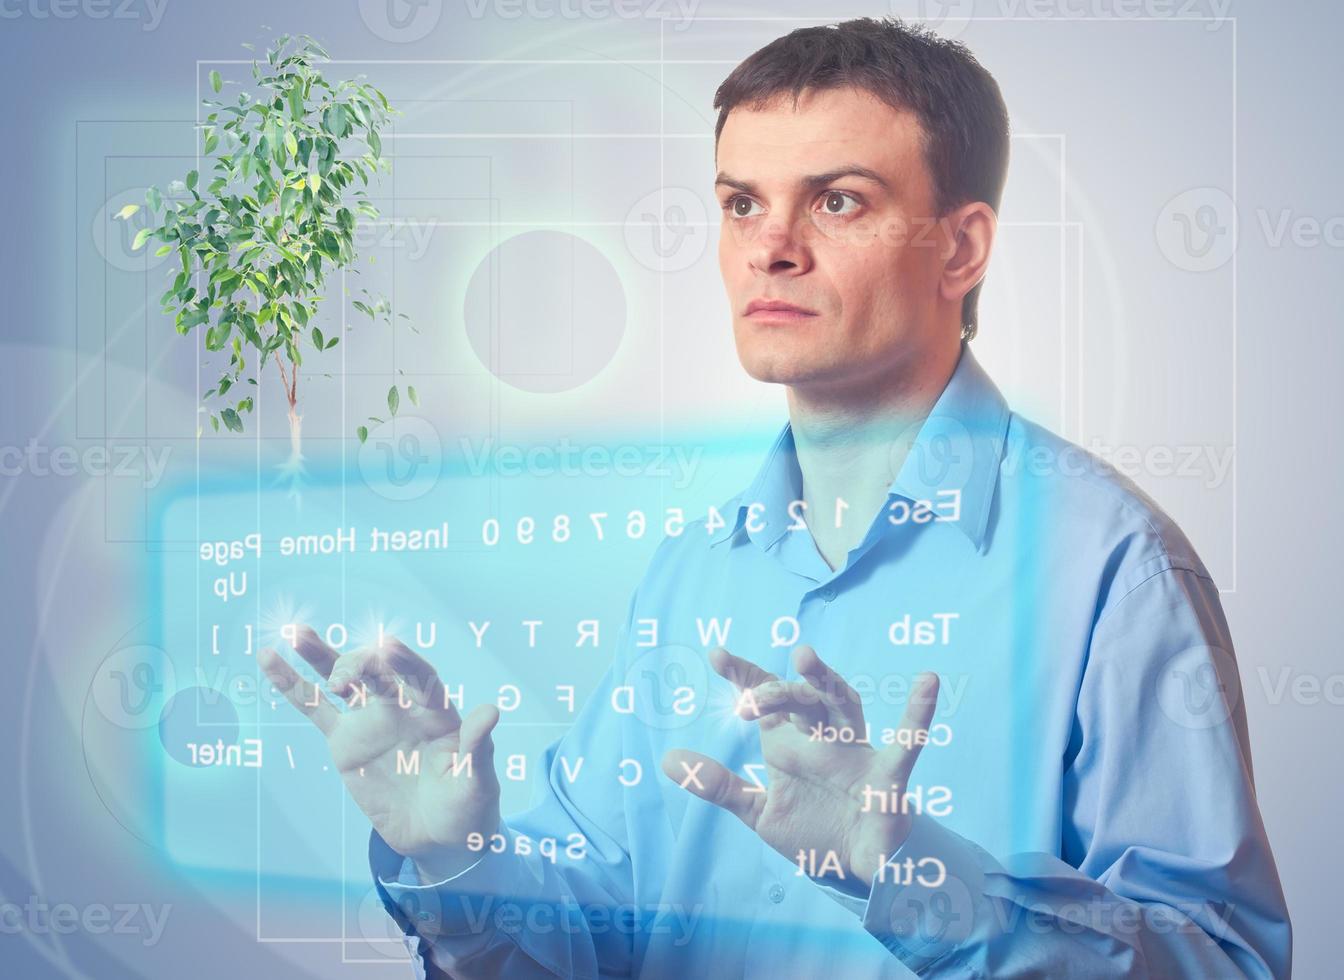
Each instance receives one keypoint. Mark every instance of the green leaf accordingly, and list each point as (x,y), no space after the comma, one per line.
(375,143)
(411,394)
(291,144)
(211,141)
(317,339)
(335,122)
(362,432)
(393,399)
(127,211)
(331,343)
(216,82)
(315,182)
(141,237)
(192,177)
(231,420)
(154,198)
(163,249)
(217,336)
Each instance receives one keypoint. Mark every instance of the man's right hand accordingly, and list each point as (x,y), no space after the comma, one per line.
(428,816)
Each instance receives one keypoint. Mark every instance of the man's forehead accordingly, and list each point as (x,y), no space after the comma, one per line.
(827,129)
(845,111)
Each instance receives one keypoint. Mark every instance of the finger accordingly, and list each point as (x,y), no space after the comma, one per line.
(476,729)
(366,666)
(474,741)
(287,681)
(741,672)
(710,781)
(834,689)
(422,686)
(900,760)
(310,646)
(783,701)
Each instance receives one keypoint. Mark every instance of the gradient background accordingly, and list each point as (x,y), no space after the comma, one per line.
(1171,231)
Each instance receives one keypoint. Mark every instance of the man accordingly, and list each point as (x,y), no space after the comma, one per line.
(916,575)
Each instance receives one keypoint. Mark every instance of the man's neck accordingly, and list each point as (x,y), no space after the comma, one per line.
(851,445)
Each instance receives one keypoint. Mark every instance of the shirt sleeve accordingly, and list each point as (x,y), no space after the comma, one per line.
(1164,866)
(520,910)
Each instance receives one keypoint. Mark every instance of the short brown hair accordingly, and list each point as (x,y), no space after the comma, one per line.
(957,102)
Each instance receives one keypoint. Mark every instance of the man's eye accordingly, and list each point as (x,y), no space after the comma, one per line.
(738,206)
(833,203)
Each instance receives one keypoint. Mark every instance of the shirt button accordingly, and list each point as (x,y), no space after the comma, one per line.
(828,593)
(776,893)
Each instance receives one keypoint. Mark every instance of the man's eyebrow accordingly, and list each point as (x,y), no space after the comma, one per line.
(812,182)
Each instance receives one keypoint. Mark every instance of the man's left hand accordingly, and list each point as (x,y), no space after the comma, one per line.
(828,789)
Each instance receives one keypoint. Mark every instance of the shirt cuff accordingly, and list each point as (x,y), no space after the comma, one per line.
(456,906)
(924,898)
(845,899)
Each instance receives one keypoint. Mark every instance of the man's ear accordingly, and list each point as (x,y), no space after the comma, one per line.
(968,239)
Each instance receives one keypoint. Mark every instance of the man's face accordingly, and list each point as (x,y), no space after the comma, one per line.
(861,251)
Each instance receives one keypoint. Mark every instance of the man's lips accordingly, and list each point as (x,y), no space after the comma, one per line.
(771,309)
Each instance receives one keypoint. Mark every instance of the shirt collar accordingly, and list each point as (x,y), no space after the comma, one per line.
(958,448)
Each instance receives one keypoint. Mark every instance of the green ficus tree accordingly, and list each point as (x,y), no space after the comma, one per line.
(257,238)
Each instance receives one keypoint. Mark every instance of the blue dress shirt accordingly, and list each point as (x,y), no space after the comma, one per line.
(1085,804)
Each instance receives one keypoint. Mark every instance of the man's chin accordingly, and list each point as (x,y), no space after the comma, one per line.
(787,372)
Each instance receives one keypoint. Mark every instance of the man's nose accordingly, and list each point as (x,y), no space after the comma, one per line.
(780,245)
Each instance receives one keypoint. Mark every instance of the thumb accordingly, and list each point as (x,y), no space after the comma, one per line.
(705,778)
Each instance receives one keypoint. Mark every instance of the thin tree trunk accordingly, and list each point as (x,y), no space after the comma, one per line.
(295,434)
